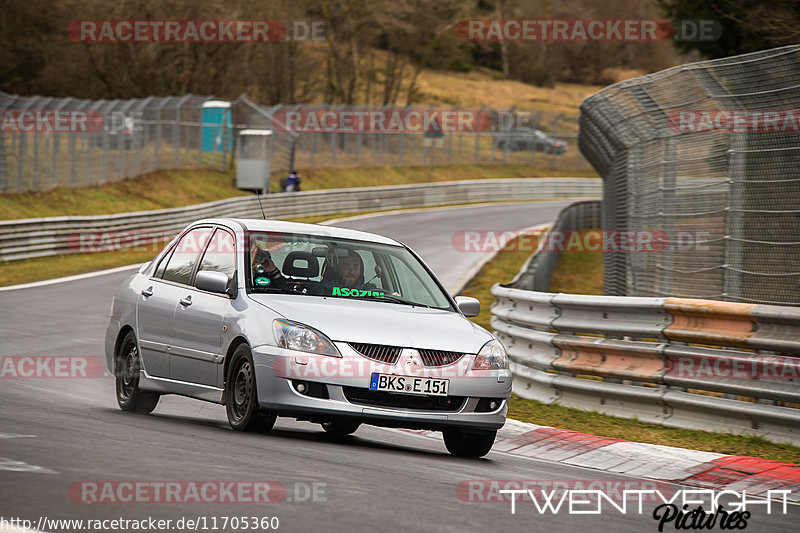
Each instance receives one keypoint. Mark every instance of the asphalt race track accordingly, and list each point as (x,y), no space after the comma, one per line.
(57,436)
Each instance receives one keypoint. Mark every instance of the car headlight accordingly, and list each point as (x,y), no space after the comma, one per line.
(295,336)
(491,357)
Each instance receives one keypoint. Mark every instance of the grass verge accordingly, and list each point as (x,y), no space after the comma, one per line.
(578,273)
(504,266)
(630,429)
(581,272)
(157,190)
(176,188)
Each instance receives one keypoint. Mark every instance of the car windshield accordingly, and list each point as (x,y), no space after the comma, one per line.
(340,268)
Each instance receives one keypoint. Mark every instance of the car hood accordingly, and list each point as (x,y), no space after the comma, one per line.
(379,322)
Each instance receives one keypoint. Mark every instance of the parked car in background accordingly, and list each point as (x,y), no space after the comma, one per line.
(529,140)
(123,132)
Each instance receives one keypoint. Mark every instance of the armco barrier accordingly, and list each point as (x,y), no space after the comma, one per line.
(24,239)
(686,363)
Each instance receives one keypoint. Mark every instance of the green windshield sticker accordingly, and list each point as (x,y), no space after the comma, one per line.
(358,293)
(262,281)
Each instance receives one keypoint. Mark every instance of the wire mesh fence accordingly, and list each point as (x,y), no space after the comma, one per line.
(129,138)
(707,154)
(117,139)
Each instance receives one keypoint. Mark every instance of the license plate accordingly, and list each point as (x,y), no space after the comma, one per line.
(409,384)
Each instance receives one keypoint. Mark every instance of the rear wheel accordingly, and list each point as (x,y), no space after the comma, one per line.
(241,395)
(129,396)
(341,427)
(468,443)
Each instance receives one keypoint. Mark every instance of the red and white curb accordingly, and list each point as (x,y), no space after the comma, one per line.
(651,461)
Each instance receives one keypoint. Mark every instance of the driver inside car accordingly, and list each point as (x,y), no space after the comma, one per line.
(344,271)
(264,271)
(347,271)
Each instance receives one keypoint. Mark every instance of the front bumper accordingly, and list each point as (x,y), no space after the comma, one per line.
(278,369)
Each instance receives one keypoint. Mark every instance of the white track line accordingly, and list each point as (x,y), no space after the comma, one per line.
(70,278)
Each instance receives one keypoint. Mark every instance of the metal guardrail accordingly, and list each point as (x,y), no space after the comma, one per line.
(677,362)
(24,239)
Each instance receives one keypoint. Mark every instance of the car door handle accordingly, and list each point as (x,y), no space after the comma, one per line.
(147,292)
(187,301)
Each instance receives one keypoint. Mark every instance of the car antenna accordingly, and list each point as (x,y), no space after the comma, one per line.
(260,204)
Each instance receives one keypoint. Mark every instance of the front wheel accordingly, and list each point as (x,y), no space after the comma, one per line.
(241,395)
(129,396)
(468,443)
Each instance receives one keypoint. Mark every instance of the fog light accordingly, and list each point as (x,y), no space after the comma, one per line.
(488,405)
(310,388)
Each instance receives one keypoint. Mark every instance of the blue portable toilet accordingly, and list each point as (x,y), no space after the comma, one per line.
(217,126)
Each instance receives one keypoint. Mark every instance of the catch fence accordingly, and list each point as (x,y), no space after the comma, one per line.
(709,154)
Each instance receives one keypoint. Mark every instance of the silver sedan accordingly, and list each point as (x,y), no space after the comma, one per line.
(332,326)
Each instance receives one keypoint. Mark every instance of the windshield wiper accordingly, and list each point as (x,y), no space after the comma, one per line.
(397,299)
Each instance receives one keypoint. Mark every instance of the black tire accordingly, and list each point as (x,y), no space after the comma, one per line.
(341,427)
(241,395)
(468,443)
(129,397)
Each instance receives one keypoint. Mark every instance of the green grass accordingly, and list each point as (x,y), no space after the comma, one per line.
(158,190)
(633,430)
(578,273)
(504,266)
(581,272)
(176,188)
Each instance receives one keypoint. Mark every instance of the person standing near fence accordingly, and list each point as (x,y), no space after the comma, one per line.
(293,182)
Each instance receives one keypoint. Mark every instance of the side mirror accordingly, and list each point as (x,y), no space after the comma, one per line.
(468,305)
(210,281)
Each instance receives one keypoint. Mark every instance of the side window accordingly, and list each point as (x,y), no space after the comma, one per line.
(185,255)
(220,255)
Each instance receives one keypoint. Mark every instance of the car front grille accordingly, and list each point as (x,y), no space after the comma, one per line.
(363,396)
(439,357)
(390,354)
(378,352)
